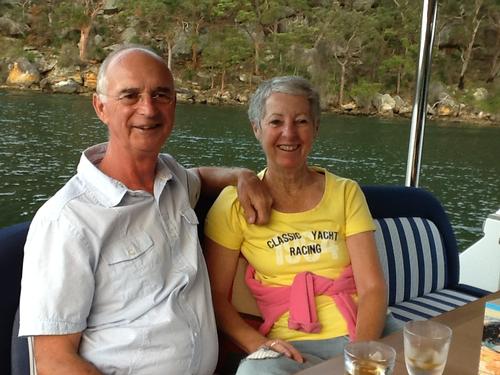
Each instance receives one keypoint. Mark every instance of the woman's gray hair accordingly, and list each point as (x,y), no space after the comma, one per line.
(102,81)
(291,85)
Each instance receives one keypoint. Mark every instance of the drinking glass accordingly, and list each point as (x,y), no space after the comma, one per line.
(369,358)
(426,345)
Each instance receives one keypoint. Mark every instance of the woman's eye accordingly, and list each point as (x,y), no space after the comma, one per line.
(275,122)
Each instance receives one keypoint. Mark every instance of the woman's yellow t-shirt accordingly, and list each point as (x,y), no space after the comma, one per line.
(291,243)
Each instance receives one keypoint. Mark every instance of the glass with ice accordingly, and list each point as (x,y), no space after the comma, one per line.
(426,345)
(368,358)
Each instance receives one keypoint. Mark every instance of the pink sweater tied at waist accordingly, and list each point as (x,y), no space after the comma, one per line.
(298,298)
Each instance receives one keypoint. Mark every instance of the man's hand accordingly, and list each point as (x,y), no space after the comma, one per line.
(253,194)
(254,197)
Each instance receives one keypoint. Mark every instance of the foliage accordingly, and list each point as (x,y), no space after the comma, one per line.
(344,48)
(226,47)
(492,104)
(68,55)
(11,48)
(363,93)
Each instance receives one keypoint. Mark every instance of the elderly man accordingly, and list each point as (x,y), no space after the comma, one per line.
(114,280)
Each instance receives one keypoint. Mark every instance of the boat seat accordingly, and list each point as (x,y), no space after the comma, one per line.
(418,252)
(14,358)
(416,245)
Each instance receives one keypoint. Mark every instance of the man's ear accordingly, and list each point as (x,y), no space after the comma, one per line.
(99,107)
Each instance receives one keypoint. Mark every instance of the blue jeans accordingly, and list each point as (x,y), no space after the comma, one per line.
(313,351)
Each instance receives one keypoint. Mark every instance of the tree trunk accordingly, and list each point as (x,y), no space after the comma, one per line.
(194,47)
(169,54)
(495,63)
(222,79)
(398,81)
(84,41)
(495,69)
(256,45)
(468,52)
(342,84)
(461,82)
(194,55)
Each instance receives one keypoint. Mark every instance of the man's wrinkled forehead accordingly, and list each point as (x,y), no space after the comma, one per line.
(134,63)
(122,56)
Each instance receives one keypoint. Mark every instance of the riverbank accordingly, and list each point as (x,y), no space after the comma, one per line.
(445,103)
(191,94)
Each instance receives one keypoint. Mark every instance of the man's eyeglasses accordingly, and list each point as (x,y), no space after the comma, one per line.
(130,98)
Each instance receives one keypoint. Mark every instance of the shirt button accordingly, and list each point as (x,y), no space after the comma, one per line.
(131,252)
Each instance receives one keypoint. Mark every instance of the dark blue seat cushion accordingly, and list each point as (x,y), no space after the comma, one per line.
(12,240)
(418,252)
(20,359)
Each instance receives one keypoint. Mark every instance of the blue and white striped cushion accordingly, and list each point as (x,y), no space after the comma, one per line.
(413,259)
(412,256)
(430,305)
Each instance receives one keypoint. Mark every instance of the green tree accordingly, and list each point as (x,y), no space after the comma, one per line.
(226,47)
(37,15)
(260,20)
(196,14)
(398,23)
(494,24)
(475,21)
(159,19)
(353,32)
(81,14)
(465,20)
(293,49)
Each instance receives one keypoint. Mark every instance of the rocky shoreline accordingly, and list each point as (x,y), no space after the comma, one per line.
(46,76)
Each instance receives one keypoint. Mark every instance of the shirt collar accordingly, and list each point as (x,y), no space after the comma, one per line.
(109,191)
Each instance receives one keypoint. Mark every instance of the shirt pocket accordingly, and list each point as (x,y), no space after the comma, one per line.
(129,274)
(128,249)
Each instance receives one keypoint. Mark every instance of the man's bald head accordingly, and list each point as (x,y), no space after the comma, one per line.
(102,81)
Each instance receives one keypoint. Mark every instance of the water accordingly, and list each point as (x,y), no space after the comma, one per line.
(42,136)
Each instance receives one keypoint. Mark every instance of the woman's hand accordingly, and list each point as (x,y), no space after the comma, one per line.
(284,347)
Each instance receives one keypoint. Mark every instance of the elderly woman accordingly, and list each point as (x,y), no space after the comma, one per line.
(314,269)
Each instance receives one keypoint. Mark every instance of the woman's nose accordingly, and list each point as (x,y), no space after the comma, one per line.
(289,128)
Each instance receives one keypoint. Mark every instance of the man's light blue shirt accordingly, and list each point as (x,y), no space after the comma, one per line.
(125,268)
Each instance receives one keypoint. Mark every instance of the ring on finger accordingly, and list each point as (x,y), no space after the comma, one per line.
(273,343)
